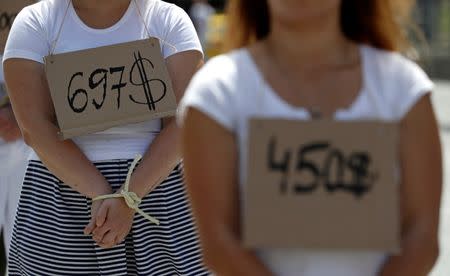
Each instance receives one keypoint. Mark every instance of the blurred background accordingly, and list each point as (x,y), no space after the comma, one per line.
(433,18)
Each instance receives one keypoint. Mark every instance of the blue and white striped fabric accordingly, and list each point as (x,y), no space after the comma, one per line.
(48,232)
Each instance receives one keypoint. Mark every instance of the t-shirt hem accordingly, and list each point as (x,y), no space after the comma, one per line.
(182,48)
(23,54)
(417,92)
(221,120)
(96,157)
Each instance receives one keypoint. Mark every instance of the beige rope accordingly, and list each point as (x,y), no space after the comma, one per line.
(131,199)
(52,50)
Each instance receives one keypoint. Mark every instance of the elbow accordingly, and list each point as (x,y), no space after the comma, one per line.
(27,137)
(429,256)
(35,129)
(433,254)
(30,131)
(213,257)
(216,255)
(425,248)
(430,248)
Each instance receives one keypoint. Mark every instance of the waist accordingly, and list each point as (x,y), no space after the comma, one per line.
(103,146)
(318,263)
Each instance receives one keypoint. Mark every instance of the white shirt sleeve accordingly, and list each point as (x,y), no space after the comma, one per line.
(179,33)
(27,38)
(412,84)
(211,93)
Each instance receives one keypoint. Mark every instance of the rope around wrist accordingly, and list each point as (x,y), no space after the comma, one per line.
(131,199)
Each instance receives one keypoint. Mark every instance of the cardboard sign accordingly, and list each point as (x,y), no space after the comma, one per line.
(8,12)
(322,185)
(96,89)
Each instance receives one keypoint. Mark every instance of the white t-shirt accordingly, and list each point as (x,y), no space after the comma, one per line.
(35,30)
(230,89)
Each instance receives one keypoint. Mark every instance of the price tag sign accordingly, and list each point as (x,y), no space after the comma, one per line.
(8,12)
(322,185)
(96,89)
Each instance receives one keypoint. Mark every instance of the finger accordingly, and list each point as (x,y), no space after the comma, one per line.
(120,239)
(108,240)
(99,233)
(90,227)
(101,215)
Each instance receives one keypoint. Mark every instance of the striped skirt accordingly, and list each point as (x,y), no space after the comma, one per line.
(48,234)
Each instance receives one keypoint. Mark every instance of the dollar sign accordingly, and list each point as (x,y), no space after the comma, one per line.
(145,82)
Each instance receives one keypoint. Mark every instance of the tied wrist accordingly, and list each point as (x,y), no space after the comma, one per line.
(131,199)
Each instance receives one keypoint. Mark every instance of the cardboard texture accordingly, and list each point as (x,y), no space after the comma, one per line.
(288,203)
(96,89)
(8,12)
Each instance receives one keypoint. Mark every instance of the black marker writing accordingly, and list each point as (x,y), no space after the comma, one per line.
(72,97)
(329,172)
(95,83)
(78,99)
(145,82)
(282,166)
(306,165)
(121,84)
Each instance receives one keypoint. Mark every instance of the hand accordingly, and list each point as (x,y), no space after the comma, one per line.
(113,222)
(93,222)
(9,130)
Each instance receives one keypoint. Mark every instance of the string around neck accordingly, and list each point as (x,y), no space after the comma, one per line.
(163,41)
(53,47)
(138,9)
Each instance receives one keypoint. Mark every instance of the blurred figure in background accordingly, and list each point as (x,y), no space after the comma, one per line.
(13,160)
(214,44)
(296,60)
(200,12)
(13,152)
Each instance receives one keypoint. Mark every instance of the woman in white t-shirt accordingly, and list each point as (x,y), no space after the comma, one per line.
(56,215)
(296,60)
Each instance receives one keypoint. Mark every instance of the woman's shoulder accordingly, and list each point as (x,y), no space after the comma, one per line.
(161,9)
(216,89)
(227,68)
(393,65)
(396,79)
(44,8)
(41,13)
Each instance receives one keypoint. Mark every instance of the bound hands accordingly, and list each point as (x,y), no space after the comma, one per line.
(111,221)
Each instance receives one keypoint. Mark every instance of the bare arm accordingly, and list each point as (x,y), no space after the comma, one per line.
(157,163)
(421,164)
(164,153)
(210,158)
(30,98)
